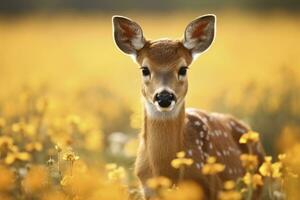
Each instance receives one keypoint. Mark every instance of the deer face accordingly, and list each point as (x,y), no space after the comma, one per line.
(164,63)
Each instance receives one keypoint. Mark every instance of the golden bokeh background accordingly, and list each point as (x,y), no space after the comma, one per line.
(63,82)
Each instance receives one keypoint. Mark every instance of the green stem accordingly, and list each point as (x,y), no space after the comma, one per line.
(250,192)
(181,173)
(270,188)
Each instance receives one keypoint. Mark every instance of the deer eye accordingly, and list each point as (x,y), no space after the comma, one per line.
(145,71)
(182,71)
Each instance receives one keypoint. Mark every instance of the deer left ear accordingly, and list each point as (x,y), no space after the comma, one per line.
(199,34)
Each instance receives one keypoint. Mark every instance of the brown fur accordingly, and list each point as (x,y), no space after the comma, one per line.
(163,139)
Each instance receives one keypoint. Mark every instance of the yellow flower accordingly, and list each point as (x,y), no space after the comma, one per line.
(22,127)
(58,148)
(249,161)
(251,136)
(67,179)
(286,170)
(282,157)
(253,180)
(70,156)
(184,191)
(181,160)
(116,174)
(15,155)
(229,185)
(34,146)
(6,143)
(271,169)
(159,182)
(212,167)
(230,195)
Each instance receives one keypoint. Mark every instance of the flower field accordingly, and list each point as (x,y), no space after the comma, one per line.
(70,109)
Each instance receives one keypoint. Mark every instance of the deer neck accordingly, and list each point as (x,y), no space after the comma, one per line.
(163,138)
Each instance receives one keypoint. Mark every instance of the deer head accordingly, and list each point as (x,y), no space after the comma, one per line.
(164,63)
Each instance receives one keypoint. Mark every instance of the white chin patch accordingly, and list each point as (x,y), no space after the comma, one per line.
(168,109)
(154,111)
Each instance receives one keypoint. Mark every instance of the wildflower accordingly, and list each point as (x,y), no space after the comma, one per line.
(58,148)
(117,174)
(6,143)
(229,192)
(249,161)
(18,127)
(185,190)
(159,182)
(22,127)
(230,195)
(66,180)
(252,180)
(212,167)
(251,136)
(229,185)
(286,170)
(70,156)
(181,160)
(16,155)
(34,146)
(270,169)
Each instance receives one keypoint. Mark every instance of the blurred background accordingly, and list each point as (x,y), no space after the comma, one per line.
(63,81)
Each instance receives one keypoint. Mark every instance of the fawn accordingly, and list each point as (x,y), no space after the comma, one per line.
(168,127)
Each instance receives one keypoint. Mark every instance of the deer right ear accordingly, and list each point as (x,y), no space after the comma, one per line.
(128,35)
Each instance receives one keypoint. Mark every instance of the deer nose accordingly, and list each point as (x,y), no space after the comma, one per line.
(164,98)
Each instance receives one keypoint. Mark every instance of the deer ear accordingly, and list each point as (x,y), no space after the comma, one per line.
(128,35)
(199,34)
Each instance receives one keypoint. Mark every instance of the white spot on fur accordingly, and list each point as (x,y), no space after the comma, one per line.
(200,149)
(190,152)
(225,134)
(201,134)
(232,123)
(201,143)
(197,123)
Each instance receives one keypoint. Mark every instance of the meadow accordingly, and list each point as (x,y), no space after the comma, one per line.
(70,108)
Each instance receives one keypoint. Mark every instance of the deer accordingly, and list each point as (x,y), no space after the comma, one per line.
(168,127)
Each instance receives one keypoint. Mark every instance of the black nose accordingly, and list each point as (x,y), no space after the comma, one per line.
(164,98)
